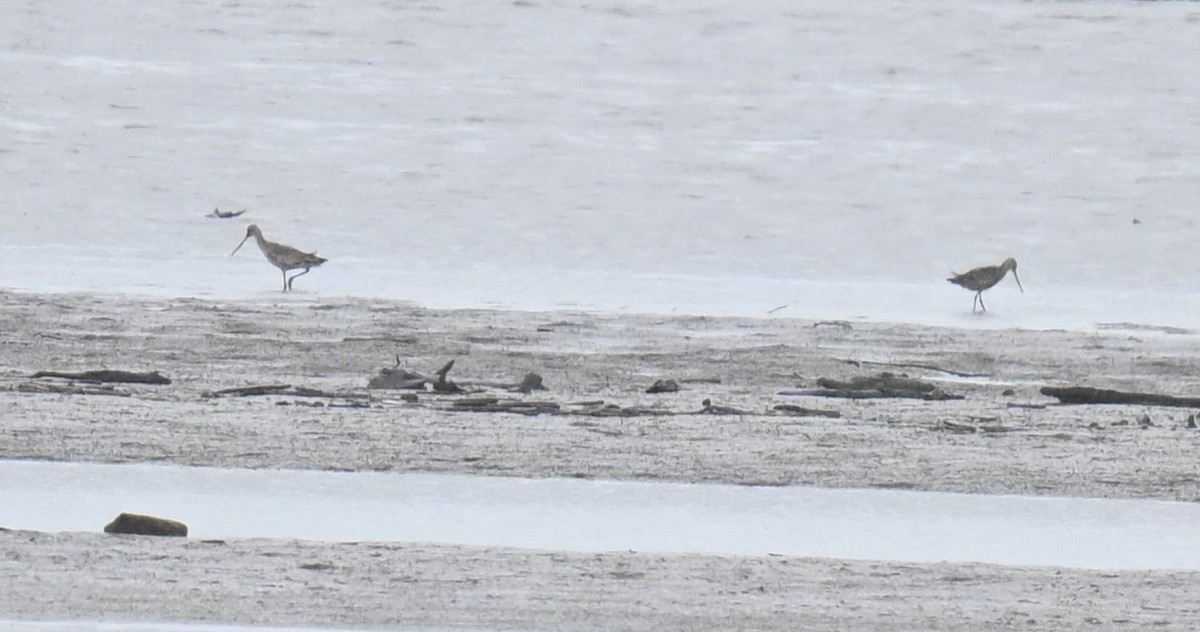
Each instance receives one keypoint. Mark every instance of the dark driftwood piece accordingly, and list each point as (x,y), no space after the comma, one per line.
(915,365)
(105,375)
(297,391)
(397,378)
(960,427)
(249,391)
(1089,395)
(801,411)
(710,408)
(219,214)
(496,405)
(884,385)
(532,382)
(70,389)
(304,391)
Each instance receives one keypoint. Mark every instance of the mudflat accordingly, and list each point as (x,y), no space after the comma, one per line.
(744,413)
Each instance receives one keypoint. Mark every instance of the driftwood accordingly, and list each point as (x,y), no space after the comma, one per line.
(70,389)
(801,411)
(1089,395)
(960,427)
(496,405)
(250,391)
(884,385)
(881,382)
(710,408)
(397,378)
(289,390)
(915,365)
(105,375)
(532,382)
(219,214)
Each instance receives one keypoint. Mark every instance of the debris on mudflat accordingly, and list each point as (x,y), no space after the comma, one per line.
(398,378)
(404,379)
(1191,422)
(71,389)
(883,385)
(531,383)
(663,386)
(833,323)
(497,405)
(140,524)
(219,214)
(1088,395)
(249,391)
(960,427)
(801,411)
(288,390)
(710,408)
(105,375)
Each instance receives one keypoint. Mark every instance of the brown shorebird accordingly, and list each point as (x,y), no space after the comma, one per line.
(984,277)
(283,257)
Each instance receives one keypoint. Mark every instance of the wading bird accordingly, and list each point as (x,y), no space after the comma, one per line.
(283,257)
(984,278)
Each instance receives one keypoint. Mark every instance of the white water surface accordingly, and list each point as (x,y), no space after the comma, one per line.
(10,625)
(839,158)
(583,515)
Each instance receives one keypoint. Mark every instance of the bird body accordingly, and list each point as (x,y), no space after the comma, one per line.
(985,277)
(282,256)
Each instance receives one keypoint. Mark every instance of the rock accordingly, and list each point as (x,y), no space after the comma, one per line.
(664,386)
(139,524)
(532,382)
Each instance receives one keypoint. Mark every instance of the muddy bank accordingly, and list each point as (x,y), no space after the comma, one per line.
(1002,437)
(596,420)
(391,585)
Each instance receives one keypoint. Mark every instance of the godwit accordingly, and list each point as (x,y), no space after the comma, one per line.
(984,278)
(283,257)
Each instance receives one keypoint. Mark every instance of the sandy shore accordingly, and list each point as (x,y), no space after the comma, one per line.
(1003,437)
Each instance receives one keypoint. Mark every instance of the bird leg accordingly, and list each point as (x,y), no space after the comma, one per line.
(289,281)
(979,295)
(286,285)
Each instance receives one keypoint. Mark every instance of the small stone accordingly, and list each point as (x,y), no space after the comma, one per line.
(1008,392)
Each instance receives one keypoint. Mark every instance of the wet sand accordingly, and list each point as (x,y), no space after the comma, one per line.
(1003,437)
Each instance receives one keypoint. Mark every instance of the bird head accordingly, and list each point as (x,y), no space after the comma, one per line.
(1011,264)
(251,231)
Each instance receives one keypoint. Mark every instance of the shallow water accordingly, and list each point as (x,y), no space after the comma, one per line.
(840,159)
(582,515)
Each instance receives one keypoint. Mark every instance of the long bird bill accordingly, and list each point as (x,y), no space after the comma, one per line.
(239,247)
(1015,277)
